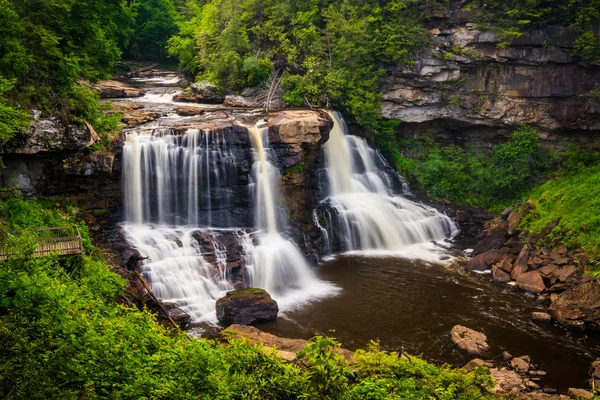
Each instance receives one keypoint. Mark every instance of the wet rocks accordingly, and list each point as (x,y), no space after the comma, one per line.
(580,393)
(541,317)
(531,282)
(246,306)
(520,364)
(469,341)
(507,382)
(241,101)
(134,114)
(485,260)
(200,92)
(115,90)
(578,308)
(189,111)
(474,363)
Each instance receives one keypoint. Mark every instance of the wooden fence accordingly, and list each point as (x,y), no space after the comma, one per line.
(62,241)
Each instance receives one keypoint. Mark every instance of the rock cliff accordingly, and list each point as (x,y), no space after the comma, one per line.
(465,87)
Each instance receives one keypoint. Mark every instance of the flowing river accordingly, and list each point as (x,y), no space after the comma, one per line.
(387,277)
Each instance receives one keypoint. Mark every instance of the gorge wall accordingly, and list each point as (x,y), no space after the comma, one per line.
(464,88)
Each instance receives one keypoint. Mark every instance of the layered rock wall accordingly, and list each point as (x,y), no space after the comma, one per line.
(465,88)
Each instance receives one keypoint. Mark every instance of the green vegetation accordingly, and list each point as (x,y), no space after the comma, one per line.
(574,197)
(68,338)
(489,179)
(48,46)
(329,52)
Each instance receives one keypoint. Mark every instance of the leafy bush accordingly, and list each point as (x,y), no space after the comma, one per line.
(488,179)
(574,199)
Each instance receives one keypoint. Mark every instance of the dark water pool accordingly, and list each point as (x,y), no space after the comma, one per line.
(411,305)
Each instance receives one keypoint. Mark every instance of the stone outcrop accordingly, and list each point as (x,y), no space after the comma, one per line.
(465,87)
(578,308)
(134,114)
(200,92)
(241,101)
(189,111)
(51,135)
(246,306)
(117,90)
(469,341)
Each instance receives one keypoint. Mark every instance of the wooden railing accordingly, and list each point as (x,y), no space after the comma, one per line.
(62,241)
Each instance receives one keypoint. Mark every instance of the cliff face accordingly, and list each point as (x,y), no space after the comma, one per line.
(466,88)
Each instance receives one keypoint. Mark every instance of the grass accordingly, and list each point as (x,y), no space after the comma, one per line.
(575,199)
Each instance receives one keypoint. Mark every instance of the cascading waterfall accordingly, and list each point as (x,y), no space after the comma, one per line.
(168,180)
(276,264)
(369,215)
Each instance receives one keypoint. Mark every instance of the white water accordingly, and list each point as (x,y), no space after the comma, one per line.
(276,264)
(172,184)
(171,179)
(370,216)
(176,270)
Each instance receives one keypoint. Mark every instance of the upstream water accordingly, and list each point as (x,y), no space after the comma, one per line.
(195,196)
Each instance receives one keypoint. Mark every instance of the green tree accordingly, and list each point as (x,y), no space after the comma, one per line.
(155,23)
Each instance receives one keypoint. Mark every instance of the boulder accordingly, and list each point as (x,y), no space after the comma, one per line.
(484,261)
(508,383)
(474,363)
(531,282)
(137,117)
(541,317)
(580,393)
(200,92)
(500,276)
(116,90)
(489,243)
(246,306)
(299,126)
(520,365)
(469,341)
(578,308)
(521,266)
(241,101)
(189,111)
(563,274)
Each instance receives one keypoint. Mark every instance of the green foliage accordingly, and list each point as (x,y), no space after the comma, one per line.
(67,338)
(329,52)
(154,24)
(85,106)
(12,120)
(485,179)
(572,197)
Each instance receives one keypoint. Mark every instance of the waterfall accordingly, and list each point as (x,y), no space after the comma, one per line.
(169,182)
(178,195)
(275,263)
(369,215)
(170,178)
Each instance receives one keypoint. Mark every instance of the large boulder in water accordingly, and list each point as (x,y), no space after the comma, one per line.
(246,306)
(469,341)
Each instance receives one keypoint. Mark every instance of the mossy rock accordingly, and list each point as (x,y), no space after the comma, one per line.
(246,306)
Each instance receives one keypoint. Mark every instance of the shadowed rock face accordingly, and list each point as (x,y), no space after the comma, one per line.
(464,86)
(246,306)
